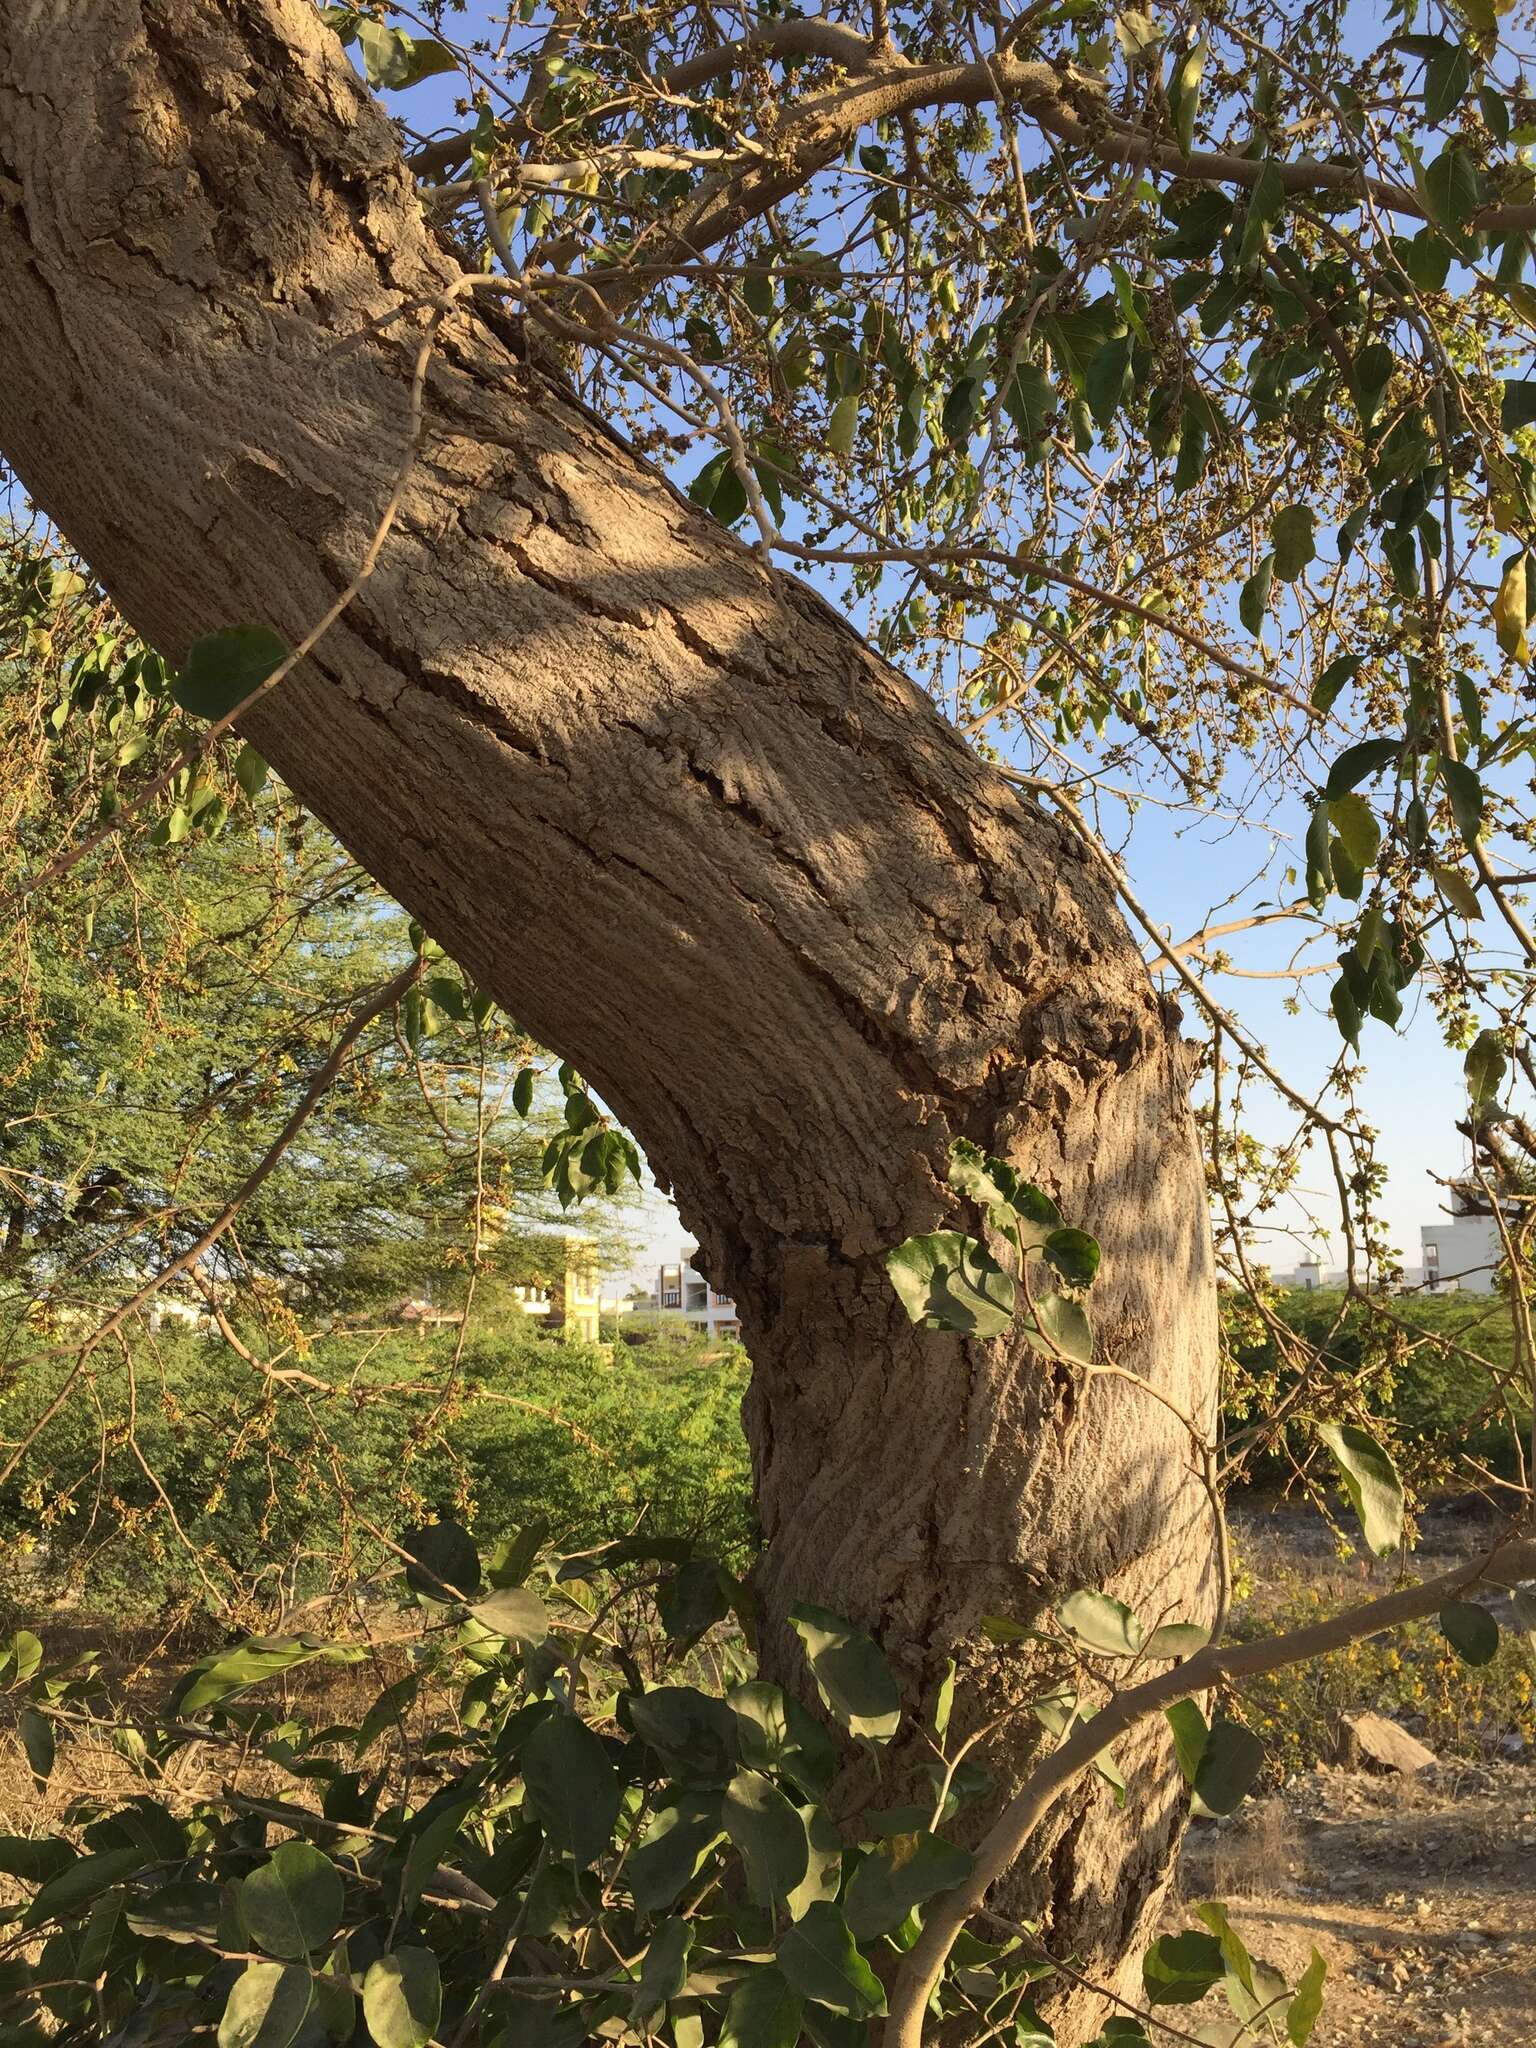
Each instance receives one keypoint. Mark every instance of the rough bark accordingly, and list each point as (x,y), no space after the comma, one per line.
(673,812)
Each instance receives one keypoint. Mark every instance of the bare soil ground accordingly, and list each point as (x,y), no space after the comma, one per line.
(1419,1892)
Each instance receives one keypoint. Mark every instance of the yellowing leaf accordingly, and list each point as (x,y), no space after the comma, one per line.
(843,425)
(1506,498)
(1509,609)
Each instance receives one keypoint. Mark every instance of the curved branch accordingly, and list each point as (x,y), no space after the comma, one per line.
(924,1963)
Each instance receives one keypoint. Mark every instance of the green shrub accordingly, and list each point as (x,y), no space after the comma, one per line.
(1431,1363)
(564,1818)
(1412,1674)
(187,1477)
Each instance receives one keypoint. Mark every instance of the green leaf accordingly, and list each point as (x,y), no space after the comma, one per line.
(719,489)
(1011,1203)
(947,1281)
(824,1861)
(1294,544)
(403,1998)
(1453,188)
(1470,1630)
(516,1613)
(1457,891)
(1485,1067)
(1098,1623)
(1355,822)
(695,1732)
(572,1786)
(820,1959)
(1356,763)
(843,425)
(1179,1969)
(664,1971)
(768,1833)
(1519,407)
(1058,1713)
(1177,1639)
(1373,367)
(430,60)
(187,1912)
(1190,1735)
(1232,1759)
(522,1091)
(1319,851)
(1371,1481)
(1447,74)
(1427,257)
(430,1835)
(1266,202)
(251,772)
(696,1597)
(1059,1329)
(764,2012)
(223,669)
(1253,598)
(1238,1961)
(1106,378)
(1325,691)
(393,60)
(35,1858)
(776,1733)
(851,1673)
(1030,399)
(1184,94)
(446,1562)
(80,1883)
(292,1904)
(890,1882)
(267,2008)
(27,1653)
(1074,1254)
(1305,2009)
(37,1739)
(673,1850)
(1465,791)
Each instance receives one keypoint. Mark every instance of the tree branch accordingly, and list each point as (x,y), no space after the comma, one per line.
(924,1963)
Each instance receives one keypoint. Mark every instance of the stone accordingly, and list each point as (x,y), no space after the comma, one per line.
(1373,1740)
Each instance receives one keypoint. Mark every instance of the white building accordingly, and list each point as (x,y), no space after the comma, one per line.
(1462,1252)
(682,1289)
(1309,1275)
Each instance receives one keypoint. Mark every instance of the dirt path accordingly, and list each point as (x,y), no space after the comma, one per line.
(1420,1893)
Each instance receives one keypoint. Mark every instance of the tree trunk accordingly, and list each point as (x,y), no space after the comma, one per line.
(669,809)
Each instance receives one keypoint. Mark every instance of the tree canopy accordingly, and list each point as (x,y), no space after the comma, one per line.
(1156,383)
(172,1011)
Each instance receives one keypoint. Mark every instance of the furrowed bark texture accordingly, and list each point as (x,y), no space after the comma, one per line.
(680,820)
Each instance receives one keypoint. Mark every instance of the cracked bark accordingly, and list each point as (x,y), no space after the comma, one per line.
(680,820)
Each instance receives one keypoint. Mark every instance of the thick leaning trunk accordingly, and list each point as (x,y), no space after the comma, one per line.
(680,820)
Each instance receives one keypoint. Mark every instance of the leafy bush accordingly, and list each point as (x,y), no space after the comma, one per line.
(1430,1363)
(180,1470)
(541,1831)
(1413,1675)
